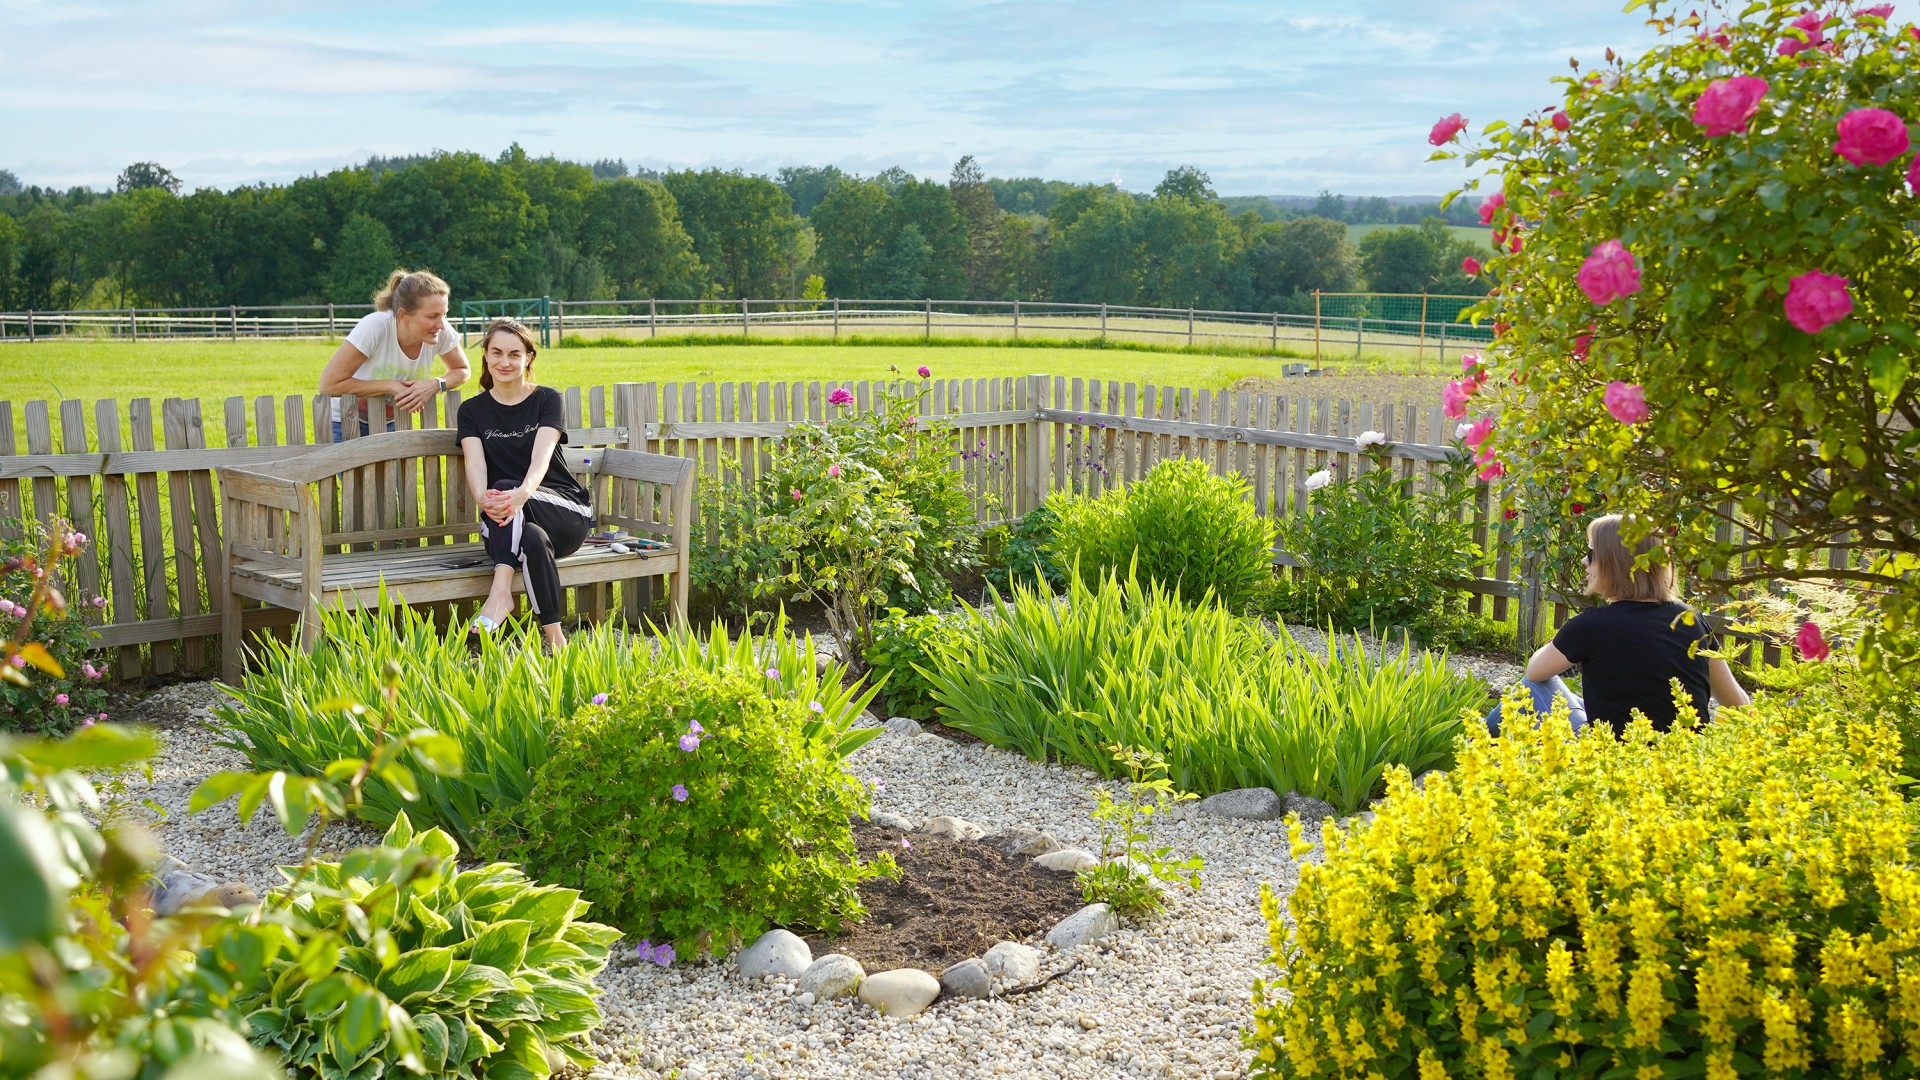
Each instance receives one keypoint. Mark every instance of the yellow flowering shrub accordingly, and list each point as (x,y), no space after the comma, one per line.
(1730,899)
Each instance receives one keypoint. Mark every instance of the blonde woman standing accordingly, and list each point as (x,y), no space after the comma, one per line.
(390,352)
(1632,649)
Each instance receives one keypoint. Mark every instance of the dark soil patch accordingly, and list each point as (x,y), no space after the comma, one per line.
(953,899)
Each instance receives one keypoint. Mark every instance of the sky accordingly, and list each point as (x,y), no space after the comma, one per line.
(1273,97)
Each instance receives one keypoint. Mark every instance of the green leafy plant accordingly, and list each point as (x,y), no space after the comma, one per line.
(867,510)
(42,628)
(902,646)
(1018,552)
(1707,305)
(1382,552)
(694,808)
(1224,702)
(1183,527)
(499,705)
(731,556)
(1132,867)
(1598,907)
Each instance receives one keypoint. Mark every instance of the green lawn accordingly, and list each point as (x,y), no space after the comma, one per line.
(1474,233)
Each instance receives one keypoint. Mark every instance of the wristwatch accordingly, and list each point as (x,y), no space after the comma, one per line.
(442,381)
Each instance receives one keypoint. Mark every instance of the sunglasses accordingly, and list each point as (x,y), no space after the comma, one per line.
(1588,557)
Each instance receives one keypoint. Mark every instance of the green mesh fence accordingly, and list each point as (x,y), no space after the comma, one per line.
(1398,326)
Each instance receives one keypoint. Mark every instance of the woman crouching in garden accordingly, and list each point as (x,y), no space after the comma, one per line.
(1632,648)
(532,510)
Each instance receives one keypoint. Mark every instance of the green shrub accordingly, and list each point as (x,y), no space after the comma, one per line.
(1017,552)
(67,694)
(1732,899)
(479,972)
(904,645)
(499,705)
(1226,704)
(1380,553)
(694,808)
(731,557)
(1184,527)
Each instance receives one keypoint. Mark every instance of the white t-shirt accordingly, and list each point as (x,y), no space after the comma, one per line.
(376,336)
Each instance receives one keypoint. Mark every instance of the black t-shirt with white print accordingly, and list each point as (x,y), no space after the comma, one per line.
(506,434)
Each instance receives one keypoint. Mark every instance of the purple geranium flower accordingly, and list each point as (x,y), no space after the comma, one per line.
(689,743)
(679,793)
(644,950)
(694,726)
(773,673)
(816,706)
(599,699)
(664,955)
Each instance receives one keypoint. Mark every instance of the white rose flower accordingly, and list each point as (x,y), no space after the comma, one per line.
(1319,480)
(1370,438)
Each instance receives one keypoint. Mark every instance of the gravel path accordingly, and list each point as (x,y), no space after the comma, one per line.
(1165,999)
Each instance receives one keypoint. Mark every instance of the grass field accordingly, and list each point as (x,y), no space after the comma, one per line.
(215,370)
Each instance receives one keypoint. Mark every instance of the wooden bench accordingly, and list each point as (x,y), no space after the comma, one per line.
(335,525)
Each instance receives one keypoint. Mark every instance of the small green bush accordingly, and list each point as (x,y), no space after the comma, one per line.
(1184,527)
(694,808)
(67,695)
(1017,552)
(477,973)
(1223,702)
(731,558)
(500,705)
(1724,900)
(904,645)
(1380,553)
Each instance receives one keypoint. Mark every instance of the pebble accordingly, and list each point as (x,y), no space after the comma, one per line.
(1068,859)
(900,992)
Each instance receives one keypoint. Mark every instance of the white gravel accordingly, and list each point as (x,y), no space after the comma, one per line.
(1169,998)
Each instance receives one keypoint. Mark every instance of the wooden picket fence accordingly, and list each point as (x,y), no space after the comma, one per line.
(140,481)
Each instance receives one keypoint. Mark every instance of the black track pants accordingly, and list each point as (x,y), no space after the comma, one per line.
(546,529)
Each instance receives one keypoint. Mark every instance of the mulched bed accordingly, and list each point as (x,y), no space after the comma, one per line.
(953,899)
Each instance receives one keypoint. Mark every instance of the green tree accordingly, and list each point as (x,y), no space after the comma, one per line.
(12,239)
(1097,257)
(633,228)
(1418,260)
(1287,261)
(980,216)
(742,228)
(466,218)
(850,228)
(1186,182)
(806,185)
(1188,248)
(902,269)
(9,184)
(363,256)
(146,174)
(928,207)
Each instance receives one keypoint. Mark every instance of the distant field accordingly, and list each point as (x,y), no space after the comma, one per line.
(1474,233)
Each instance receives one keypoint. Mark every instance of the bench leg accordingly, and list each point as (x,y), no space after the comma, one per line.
(232,639)
(310,623)
(677,611)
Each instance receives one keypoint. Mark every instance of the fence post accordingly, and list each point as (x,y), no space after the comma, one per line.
(1275,347)
(233,323)
(1189,328)
(29,326)
(836,320)
(1359,332)
(1527,617)
(1420,353)
(329,318)
(559,320)
(1316,328)
(653,318)
(1441,349)
(133,325)
(1030,444)
(1016,317)
(1103,322)
(929,331)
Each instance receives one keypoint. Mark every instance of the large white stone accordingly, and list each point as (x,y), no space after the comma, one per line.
(904,726)
(1090,923)
(1071,858)
(834,975)
(1310,809)
(778,952)
(967,979)
(1012,962)
(957,828)
(900,992)
(889,820)
(1249,804)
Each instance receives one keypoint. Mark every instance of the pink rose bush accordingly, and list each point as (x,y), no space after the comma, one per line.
(1445,131)
(1872,137)
(1609,274)
(1561,121)
(1728,104)
(1817,300)
(1811,643)
(1913,175)
(1812,25)
(1491,205)
(1470,266)
(1627,402)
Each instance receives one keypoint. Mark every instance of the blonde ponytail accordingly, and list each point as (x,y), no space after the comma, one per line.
(405,289)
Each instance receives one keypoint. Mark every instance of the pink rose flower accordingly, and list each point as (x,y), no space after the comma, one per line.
(1809,24)
(1816,301)
(1718,37)
(833,471)
(840,396)
(1626,401)
(1609,274)
(1561,121)
(1444,131)
(1811,642)
(796,494)
(1491,205)
(1493,471)
(1513,243)
(1879,11)
(1478,431)
(1872,137)
(1470,266)
(1728,104)
(1913,175)
(1582,343)
(1454,398)
(59,699)
(926,372)
(1471,366)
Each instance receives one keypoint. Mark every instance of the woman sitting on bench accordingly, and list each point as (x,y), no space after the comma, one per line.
(532,510)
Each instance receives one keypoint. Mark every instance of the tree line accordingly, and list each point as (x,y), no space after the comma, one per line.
(517,225)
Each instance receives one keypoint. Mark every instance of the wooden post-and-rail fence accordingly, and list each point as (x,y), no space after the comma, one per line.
(139,479)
